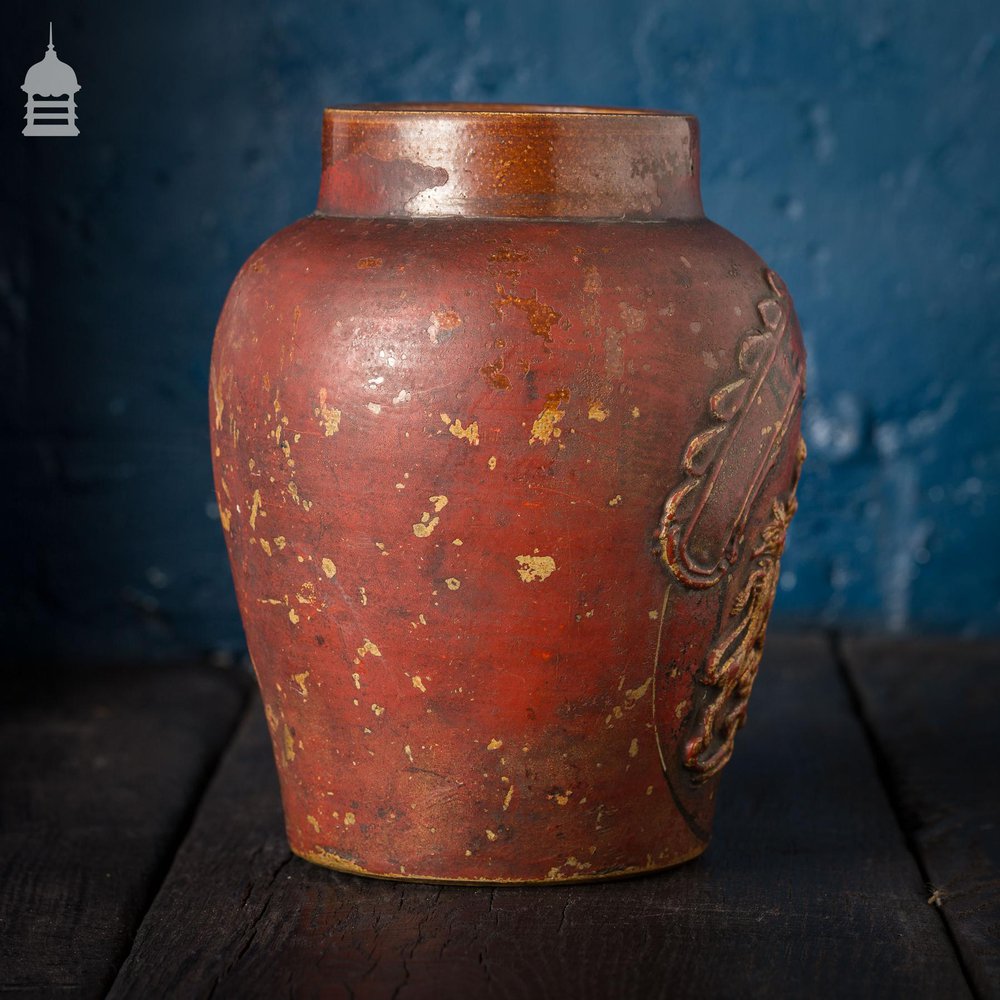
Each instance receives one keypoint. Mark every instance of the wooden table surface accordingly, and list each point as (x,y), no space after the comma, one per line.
(856,853)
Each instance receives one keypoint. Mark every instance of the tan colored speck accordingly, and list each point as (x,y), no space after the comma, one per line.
(418,684)
(633,748)
(313,822)
(533,568)
(453,583)
(598,412)
(349,819)
(255,508)
(492,463)
(470,433)
(423,529)
(494,744)
(329,568)
(292,616)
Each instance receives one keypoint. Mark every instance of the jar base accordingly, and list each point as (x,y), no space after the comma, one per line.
(329,859)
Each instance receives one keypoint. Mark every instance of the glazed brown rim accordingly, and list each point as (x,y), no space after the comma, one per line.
(486,108)
(514,161)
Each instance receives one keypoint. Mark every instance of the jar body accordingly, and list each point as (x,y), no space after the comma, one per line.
(504,501)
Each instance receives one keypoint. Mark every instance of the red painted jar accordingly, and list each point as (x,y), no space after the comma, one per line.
(506,438)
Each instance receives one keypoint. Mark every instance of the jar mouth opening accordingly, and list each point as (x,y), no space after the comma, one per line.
(460,108)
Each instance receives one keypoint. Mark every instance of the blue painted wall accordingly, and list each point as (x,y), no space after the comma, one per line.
(855,145)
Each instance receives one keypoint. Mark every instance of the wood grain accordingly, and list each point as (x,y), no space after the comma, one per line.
(807,890)
(933,708)
(100,772)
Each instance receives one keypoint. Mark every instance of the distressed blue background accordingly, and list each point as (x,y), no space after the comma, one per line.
(855,145)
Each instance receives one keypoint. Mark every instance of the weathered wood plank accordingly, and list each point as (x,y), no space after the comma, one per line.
(933,707)
(807,890)
(99,772)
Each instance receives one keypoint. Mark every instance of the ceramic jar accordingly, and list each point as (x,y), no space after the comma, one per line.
(506,438)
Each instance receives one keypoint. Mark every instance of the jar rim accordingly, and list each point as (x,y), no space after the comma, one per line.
(500,109)
(525,161)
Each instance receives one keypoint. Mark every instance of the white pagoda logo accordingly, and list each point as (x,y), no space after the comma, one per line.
(51,88)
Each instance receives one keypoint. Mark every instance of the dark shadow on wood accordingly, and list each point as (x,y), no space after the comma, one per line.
(932,709)
(100,772)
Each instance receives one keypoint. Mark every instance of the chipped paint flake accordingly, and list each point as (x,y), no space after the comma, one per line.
(494,744)
(313,822)
(425,528)
(453,583)
(533,568)
(470,433)
(492,463)
(256,508)
(599,412)
(633,748)
(419,684)
(329,416)
(300,683)
(545,428)
(329,567)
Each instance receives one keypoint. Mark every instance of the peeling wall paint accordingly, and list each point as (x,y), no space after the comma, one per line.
(853,145)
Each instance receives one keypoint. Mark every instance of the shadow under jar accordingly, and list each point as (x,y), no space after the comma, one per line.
(506,439)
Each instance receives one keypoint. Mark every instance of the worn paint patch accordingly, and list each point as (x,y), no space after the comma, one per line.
(599,412)
(532,568)
(426,525)
(544,429)
(329,567)
(493,372)
(470,433)
(255,509)
(300,683)
(418,683)
(368,647)
(541,317)
(494,744)
(329,416)
(441,324)
(453,583)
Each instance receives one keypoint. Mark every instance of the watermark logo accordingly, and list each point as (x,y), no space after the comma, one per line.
(51,88)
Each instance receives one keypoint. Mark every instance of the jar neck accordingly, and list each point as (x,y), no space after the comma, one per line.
(509,161)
